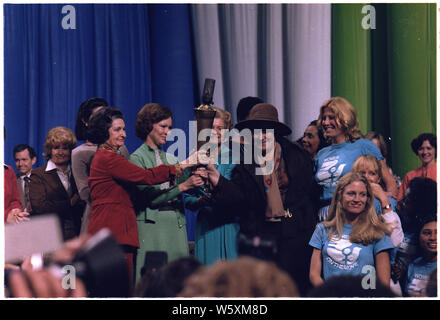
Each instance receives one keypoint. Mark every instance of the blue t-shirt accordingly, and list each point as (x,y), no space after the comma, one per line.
(342,257)
(419,272)
(333,162)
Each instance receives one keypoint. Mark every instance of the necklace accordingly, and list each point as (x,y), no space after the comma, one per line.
(108,147)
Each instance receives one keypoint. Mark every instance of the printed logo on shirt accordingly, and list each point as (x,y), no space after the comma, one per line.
(330,171)
(342,253)
(418,285)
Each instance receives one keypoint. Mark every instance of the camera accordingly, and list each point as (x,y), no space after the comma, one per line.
(99,263)
(102,267)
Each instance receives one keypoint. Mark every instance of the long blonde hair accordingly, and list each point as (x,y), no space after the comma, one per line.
(369,225)
(345,117)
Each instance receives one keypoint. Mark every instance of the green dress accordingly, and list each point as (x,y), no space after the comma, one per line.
(161,222)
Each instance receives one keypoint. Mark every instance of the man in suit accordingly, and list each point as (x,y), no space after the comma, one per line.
(25,157)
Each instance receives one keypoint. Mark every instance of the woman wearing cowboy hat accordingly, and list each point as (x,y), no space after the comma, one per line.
(272,197)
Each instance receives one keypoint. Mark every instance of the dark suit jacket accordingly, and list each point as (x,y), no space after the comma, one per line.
(47,195)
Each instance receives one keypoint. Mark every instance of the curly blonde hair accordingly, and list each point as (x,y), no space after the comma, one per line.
(369,226)
(345,117)
(366,160)
(56,137)
(245,277)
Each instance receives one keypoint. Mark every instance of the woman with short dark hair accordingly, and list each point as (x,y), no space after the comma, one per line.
(425,147)
(82,155)
(161,217)
(421,268)
(150,114)
(85,110)
(313,139)
(110,178)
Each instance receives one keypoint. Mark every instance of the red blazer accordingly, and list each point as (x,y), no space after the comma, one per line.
(12,197)
(112,207)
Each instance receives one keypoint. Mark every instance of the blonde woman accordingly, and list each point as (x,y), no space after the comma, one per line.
(338,119)
(216,228)
(52,188)
(353,240)
(369,167)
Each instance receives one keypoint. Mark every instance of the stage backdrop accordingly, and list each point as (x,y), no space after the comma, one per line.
(128,54)
(278,52)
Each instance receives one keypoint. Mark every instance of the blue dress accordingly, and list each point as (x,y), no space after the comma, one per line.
(216,231)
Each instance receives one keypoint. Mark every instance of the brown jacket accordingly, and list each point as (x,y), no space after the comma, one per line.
(47,195)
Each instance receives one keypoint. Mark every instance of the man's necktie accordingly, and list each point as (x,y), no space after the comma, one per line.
(28,207)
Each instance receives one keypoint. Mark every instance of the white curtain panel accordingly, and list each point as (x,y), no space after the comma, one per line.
(278,52)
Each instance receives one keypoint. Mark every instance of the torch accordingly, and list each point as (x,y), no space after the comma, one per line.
(205,114)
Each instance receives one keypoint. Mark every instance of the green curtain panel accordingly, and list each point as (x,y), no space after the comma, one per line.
(388,72)
(379,77)
(351,60)
(412,78)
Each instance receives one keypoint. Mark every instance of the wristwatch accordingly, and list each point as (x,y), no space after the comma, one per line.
(388,206)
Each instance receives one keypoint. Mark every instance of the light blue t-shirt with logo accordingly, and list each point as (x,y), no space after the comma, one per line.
(419,272)
(341,256)
(333,162)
